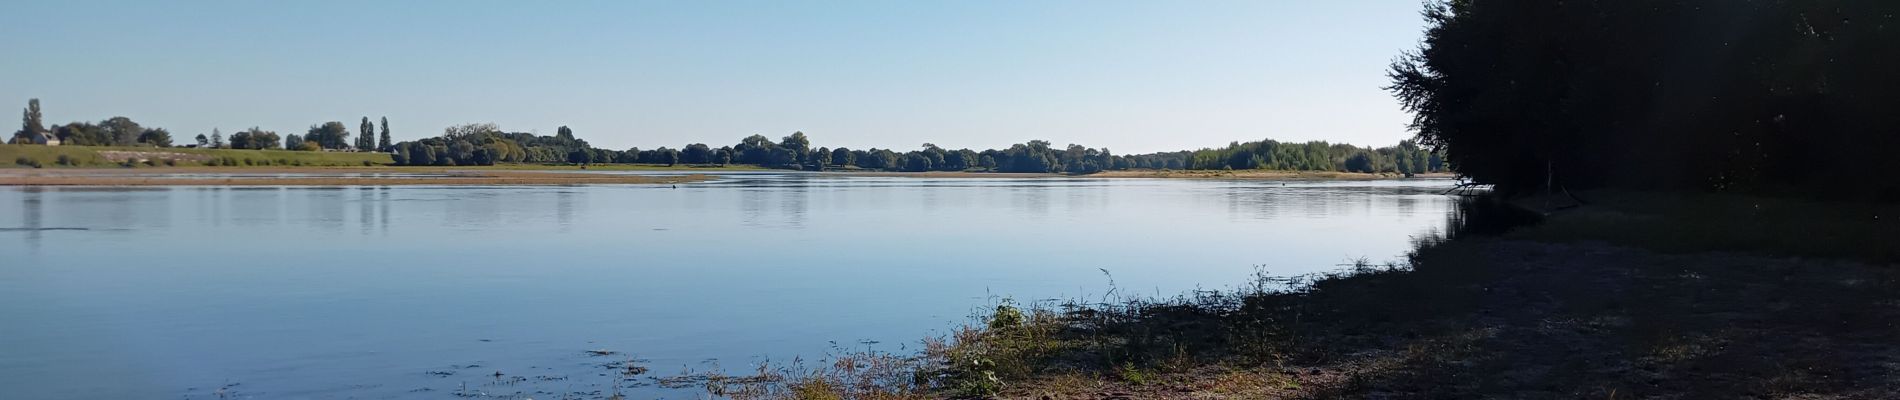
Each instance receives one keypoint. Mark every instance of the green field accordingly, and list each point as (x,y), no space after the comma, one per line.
(90,156)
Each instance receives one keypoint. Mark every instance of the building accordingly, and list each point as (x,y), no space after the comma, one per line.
(43,138)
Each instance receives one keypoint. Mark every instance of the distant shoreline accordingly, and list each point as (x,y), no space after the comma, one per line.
(319,176)
(1262,174)
(531,174)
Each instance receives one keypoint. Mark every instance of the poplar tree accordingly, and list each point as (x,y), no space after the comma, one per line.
(366,134)
(383,144)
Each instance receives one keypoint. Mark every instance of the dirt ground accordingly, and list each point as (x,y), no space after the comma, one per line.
(1516,319)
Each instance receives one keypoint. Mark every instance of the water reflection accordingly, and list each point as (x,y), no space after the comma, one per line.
(564,209)
(31,215)
(212,285)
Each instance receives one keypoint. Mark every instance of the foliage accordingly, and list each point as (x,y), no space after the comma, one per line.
(156,137)
(31,124)
(255,139)
(89,156)
(488,144)
(382,141)
(1788,96)
(328,135)
(365,136)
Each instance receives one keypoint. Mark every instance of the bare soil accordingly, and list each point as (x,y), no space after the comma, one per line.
(1518,319)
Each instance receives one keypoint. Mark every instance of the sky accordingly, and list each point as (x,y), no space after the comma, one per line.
(1134,77)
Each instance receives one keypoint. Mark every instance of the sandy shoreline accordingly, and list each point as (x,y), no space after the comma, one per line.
(320,176)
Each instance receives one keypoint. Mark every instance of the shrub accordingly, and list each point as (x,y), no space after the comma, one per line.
(368,163)
(66,160)
(171,162)
(27,162)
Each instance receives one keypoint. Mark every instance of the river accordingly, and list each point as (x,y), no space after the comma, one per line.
(429,292)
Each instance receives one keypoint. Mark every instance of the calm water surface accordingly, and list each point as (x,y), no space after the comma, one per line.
(412,292)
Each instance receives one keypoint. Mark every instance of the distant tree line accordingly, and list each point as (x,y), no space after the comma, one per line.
(1406,158)
(1785,96)
(115,131)
(122,131)
(487,144)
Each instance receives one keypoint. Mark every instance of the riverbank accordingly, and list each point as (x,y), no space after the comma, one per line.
(1257,174)
(1562,309)
(320,176)
(1157,174)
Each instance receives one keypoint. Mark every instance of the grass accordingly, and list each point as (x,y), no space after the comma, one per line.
(97,156)
(1570,308)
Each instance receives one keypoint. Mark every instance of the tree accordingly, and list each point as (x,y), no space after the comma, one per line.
(300,143)
(1694,95)
(366,135)
(400,155)
(797,142)
(217,139)
(722,157)
(821,158)
(755,149)
(578,156)
(421,154)
(696,153)
(917,162)
(782,156)
(121,131)
(1359,162)
(383,143)
(669,157)
(254,139)
(954,161)
(843,156)
(203,141)
(31,125)
(156,136)
(329,135)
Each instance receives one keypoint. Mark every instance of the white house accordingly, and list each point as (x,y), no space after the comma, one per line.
(45,138)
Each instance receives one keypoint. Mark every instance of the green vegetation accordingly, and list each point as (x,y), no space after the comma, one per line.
(96,156)
(1406,158)
(1787,97)
(488,144)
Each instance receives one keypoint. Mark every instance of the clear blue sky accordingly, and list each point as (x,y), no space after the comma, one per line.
(1131,76)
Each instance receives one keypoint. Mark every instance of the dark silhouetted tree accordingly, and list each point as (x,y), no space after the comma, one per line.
(382,143)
